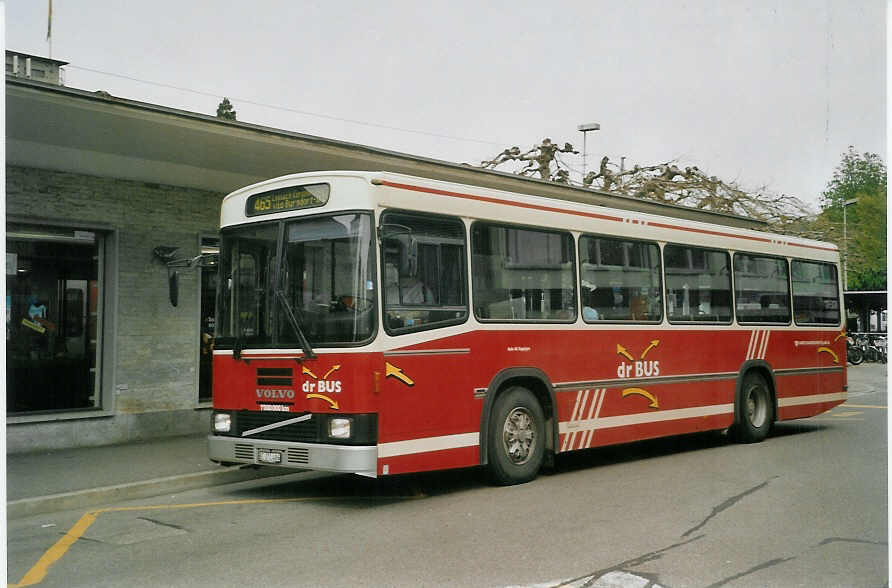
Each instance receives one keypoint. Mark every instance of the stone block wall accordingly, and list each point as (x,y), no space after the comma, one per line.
(154,376)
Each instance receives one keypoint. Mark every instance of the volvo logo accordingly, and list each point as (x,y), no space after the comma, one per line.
(275,394)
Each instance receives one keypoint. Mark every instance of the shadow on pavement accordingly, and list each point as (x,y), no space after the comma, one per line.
(345,490)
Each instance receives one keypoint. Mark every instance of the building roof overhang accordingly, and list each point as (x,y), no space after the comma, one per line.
(65,129)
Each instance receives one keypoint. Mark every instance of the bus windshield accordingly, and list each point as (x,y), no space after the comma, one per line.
(294,282)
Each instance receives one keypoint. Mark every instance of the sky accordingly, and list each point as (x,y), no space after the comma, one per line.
(762,93)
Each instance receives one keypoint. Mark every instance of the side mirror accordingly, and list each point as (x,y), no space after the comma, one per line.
(174,286)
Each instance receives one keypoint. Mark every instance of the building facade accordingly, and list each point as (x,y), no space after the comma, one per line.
(95,351)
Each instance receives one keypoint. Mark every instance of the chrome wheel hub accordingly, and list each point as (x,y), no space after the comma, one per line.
(519,436)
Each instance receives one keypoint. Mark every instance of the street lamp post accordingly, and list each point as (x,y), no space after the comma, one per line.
(585,129)
(845,244)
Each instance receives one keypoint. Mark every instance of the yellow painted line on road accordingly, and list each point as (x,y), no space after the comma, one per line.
(847,405)
(39,571)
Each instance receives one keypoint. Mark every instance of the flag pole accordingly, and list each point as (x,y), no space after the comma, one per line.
(49,26)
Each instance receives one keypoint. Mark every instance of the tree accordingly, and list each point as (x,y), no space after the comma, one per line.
(540,159)
(225,110)
(856,173)
(860,180)
(664,182)
(866,255)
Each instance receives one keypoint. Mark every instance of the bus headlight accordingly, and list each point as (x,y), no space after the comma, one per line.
(339,428)
(222,422)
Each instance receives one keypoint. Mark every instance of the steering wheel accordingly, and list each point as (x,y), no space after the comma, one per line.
(354,303)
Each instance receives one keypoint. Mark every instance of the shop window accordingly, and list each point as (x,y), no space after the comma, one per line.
(53,310)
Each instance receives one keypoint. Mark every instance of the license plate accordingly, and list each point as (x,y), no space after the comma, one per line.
(269,456)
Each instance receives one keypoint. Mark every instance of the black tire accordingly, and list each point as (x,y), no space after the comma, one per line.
(854,355)
(755,414)
(515,437)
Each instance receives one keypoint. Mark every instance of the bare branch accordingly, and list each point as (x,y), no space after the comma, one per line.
(667,182)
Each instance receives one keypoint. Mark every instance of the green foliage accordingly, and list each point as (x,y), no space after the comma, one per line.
(867,242)
(225,110)
(862,239)
(856,173)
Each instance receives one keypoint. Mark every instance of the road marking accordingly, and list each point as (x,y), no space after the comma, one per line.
(847,405)
(38,571)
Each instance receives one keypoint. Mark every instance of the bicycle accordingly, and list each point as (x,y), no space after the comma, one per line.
(854,353)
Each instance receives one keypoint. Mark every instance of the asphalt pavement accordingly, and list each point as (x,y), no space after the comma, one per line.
(48,481)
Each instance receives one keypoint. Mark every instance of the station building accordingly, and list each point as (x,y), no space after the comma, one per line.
(95,184)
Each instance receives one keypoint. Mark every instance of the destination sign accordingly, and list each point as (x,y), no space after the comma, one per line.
(285,199)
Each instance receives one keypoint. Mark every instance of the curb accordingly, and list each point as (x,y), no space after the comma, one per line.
(96,496)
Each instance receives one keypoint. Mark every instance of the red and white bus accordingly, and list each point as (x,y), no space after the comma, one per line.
(378,323)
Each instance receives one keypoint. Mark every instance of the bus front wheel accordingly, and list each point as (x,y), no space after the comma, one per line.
(516,437)
(756,409)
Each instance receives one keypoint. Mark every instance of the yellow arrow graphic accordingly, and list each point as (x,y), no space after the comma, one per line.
(840,336)
(653,344)
(304,370)
(334,368)
(620,350)
(654,403)
(392,370)
(830,351)
(332,403)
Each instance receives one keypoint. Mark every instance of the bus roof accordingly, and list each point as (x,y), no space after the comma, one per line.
(543,203)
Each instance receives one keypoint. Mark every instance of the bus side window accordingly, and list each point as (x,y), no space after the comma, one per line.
(698,284)
(620,280)
(424,276)
(761,289)
(815,293)
(523,274)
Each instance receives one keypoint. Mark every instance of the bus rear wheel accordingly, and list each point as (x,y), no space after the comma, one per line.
(756,409)
(515,437)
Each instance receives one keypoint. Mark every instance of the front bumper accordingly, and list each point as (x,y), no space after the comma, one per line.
(362,459)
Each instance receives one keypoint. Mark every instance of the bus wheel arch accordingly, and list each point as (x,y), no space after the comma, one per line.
(539,386)
(755,402)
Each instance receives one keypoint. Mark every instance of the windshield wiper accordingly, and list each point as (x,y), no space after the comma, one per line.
(302,339)
(237,346)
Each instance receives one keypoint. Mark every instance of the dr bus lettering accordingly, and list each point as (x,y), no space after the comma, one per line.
(638,369)
(322,387)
